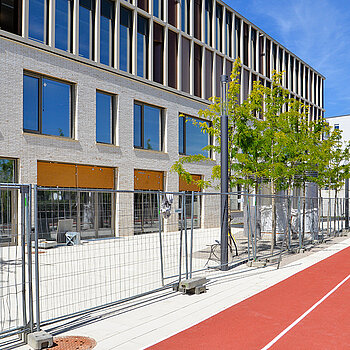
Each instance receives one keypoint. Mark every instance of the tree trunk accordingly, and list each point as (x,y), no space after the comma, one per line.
(273,211)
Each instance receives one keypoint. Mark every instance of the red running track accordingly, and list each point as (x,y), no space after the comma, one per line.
(256,321)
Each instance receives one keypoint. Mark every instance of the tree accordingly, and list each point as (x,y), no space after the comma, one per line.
(271,139)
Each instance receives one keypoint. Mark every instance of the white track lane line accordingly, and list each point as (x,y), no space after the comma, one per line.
(273,341)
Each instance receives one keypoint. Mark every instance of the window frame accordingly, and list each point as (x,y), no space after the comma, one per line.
(40,77)
(69,29)
(210,138)
(113,116)
(46,24)
(161,126)
(92,20)
(129,39)
(111,40)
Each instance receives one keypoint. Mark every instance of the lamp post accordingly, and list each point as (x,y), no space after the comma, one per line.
(224,175)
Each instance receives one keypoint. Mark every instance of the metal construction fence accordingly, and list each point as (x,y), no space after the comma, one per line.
(65,251)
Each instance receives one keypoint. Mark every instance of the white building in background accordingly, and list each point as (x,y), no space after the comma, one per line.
(96,93)
(341,122)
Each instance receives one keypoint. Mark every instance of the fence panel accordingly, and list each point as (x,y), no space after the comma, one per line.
(16,306)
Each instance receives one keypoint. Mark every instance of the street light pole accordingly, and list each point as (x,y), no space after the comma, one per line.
(224,175)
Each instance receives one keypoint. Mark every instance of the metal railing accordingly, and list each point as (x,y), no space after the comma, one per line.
(131,243)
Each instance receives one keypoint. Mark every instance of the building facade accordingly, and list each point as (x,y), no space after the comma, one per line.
(96,94)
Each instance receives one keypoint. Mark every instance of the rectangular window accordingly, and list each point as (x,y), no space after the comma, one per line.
(286,67)
(47,106)
(219,72)
(186,48)
(37,20)
(218,24)
(237,37)
(191,138)
(172,59)
(198,19)
(86,25)
(253,48)
(302,80)
(104,118)
(172,12)
(208,74)
(125,38)
(267,58)
(245,43)
(280,57)
(188,188)
(245,84)
(292,74)
(274,57)
(88,212)
(143,4)
(197,70)
(158,8)
(261,53)
(10,15)
(158,48)
(142,46)
(208,21)
(148,127)
(7,170)
(228,34)
(185,16)
(106,32)
(63,24)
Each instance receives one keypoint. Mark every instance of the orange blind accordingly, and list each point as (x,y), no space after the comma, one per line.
(148,180)
(71,175)
(184,186)
(56,175)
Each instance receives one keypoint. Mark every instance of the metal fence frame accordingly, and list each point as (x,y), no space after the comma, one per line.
(183,243)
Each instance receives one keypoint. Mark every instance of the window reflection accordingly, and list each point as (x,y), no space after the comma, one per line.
(191,139)
(30,103)
(7,170)
(56,108)
(125,37)
(85,28)
(147,127)
(36,28)
(106,32)
(104,118)
(46,106)
(63,15)
(142,46)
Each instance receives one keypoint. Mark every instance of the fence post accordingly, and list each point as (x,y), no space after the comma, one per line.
(23,246)
(289,218)
(299,222)
(191,244)
(255,224)
(160,240)
(28,215)
(181,232)
(36,257)
(186,250)
(248,214)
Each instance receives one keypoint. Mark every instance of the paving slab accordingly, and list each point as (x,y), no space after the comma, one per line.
(145,321)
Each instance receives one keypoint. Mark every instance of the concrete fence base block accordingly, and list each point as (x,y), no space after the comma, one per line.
(40,340)
(193,285)
(256,263)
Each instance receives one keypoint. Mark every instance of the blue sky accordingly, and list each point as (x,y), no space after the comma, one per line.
(317,31)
